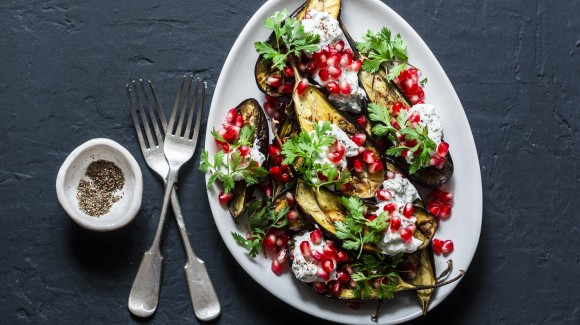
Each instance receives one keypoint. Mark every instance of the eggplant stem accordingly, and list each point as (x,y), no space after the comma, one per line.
(436,285)
(447,271)
(375,316)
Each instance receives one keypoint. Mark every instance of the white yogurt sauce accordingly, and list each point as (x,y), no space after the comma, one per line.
(403,192)
(323,25)
(306,270)
(351,148)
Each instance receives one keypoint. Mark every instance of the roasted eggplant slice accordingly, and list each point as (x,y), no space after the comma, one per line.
(422,262)
(281,202)
(311,107)
(253,115)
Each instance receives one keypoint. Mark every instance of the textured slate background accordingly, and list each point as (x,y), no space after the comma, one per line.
(515,67)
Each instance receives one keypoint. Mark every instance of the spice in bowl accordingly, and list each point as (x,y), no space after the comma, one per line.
(97,195)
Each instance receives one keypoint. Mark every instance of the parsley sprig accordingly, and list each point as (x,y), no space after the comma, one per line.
(305,147)
(356,230)
(420,153)
(289,37)
(261,219)
(225,166)
(379,49)
(371,269)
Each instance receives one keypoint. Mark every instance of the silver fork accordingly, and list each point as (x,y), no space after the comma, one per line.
(144,295)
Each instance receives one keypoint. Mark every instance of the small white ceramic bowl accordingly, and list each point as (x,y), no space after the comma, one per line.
(73,170)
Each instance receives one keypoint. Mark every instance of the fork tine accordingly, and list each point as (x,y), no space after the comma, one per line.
(143,117)
(154,121)
(135,118)
(183,109)
(198,117)
(191,111)
(171,124)
(158,106)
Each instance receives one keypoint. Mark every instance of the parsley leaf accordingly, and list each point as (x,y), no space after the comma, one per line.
(289,38)
(376,274)
(381,50)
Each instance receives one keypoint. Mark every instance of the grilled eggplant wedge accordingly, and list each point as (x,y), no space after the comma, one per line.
(253,115)
(422,262)
(281,202)
(311,107)
(264,69)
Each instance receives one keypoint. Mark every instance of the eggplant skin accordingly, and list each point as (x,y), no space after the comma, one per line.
(253,115)
(430,177)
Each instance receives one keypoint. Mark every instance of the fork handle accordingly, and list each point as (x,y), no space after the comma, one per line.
(201,291)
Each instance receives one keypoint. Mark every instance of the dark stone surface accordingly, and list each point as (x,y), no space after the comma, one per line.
(515,67)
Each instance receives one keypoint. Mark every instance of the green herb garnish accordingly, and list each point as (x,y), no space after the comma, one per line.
(356,230)
(371,270)
(379,48)
(224,166)
(305,147)
(290,38)
(420,153)
(261,220)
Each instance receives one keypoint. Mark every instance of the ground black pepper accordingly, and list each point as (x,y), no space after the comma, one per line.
(97,196)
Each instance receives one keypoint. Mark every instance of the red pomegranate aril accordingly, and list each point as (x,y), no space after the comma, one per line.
(239,121)
(406,234)
(384,195)
(342,276)
(319,287)
(445,197)
(339,46)
(274,150)
(334,71)
(344,88)
(328,265)
(333,62)
(316,255)
(395,124)
(225,147)
(447,247)
(270,241)
(282,255)
(333,87)
(276,172)
(369,157)
(356,65)
(277,267)
(413,99)
(292,215)
(316,236)
(405,153)
(310,67)
(230,115)
(225,197)
(231,134)
(323,274)
(408,210)
(323,74)
(415,117)
(372,217)
(445,211)
(395,223)
(345,60)
(329,251)
(357,165)
(305,248)
(437,161)
(334,157)
(288,72)
(276,160)
(361,120)
(285,177)
(335,287)
(341,256)
(290,198)
(285,88)
(376,167)
(282,241)
(302,85)
(412,87)
(397,107)
(390,207)
(413,74)
(442,149)
(421,95)
(437,245)
(322,177)
(434,208)
(244,150)
(274,81)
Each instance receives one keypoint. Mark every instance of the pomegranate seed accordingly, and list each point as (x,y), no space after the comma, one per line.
(225,197)
(372,217)
(288,72)
(290,198)
(395,124)
(225,147)
(285,88)
(341,256)
(437,161)
(302,85)
(305,248)
(282,241)
(361,120)
(357,165)
(397,107)
(345,60)
(389,175)
(274,81)
(276,172)
(316,236)
(412,87)
(323,274)
(445,197)
(413,99)
(285,177)
(333,87)
(270,241)
(230,134)
(322,177)
(390,207)
(277,267)
(328,265)
(329,251)
(323,74)
(375,167)
(447,247)
(274,150)
(335,287)
(244,150)
(445,211)
(395,223)
(310,67)
(434,208)
(356,65)
(413,74)
(406,234)
(369,157)
(334,71)
(405,153)
(317,255)
(270,107)
(442,149)
(339,46)
(230,115)
(344,88)
(415,117)
(408,210)
(292,215)
(412,228)
(319,287)
(334,157)
(437,245)
(384,195)
(342,276)
(282,255)
(333,62)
